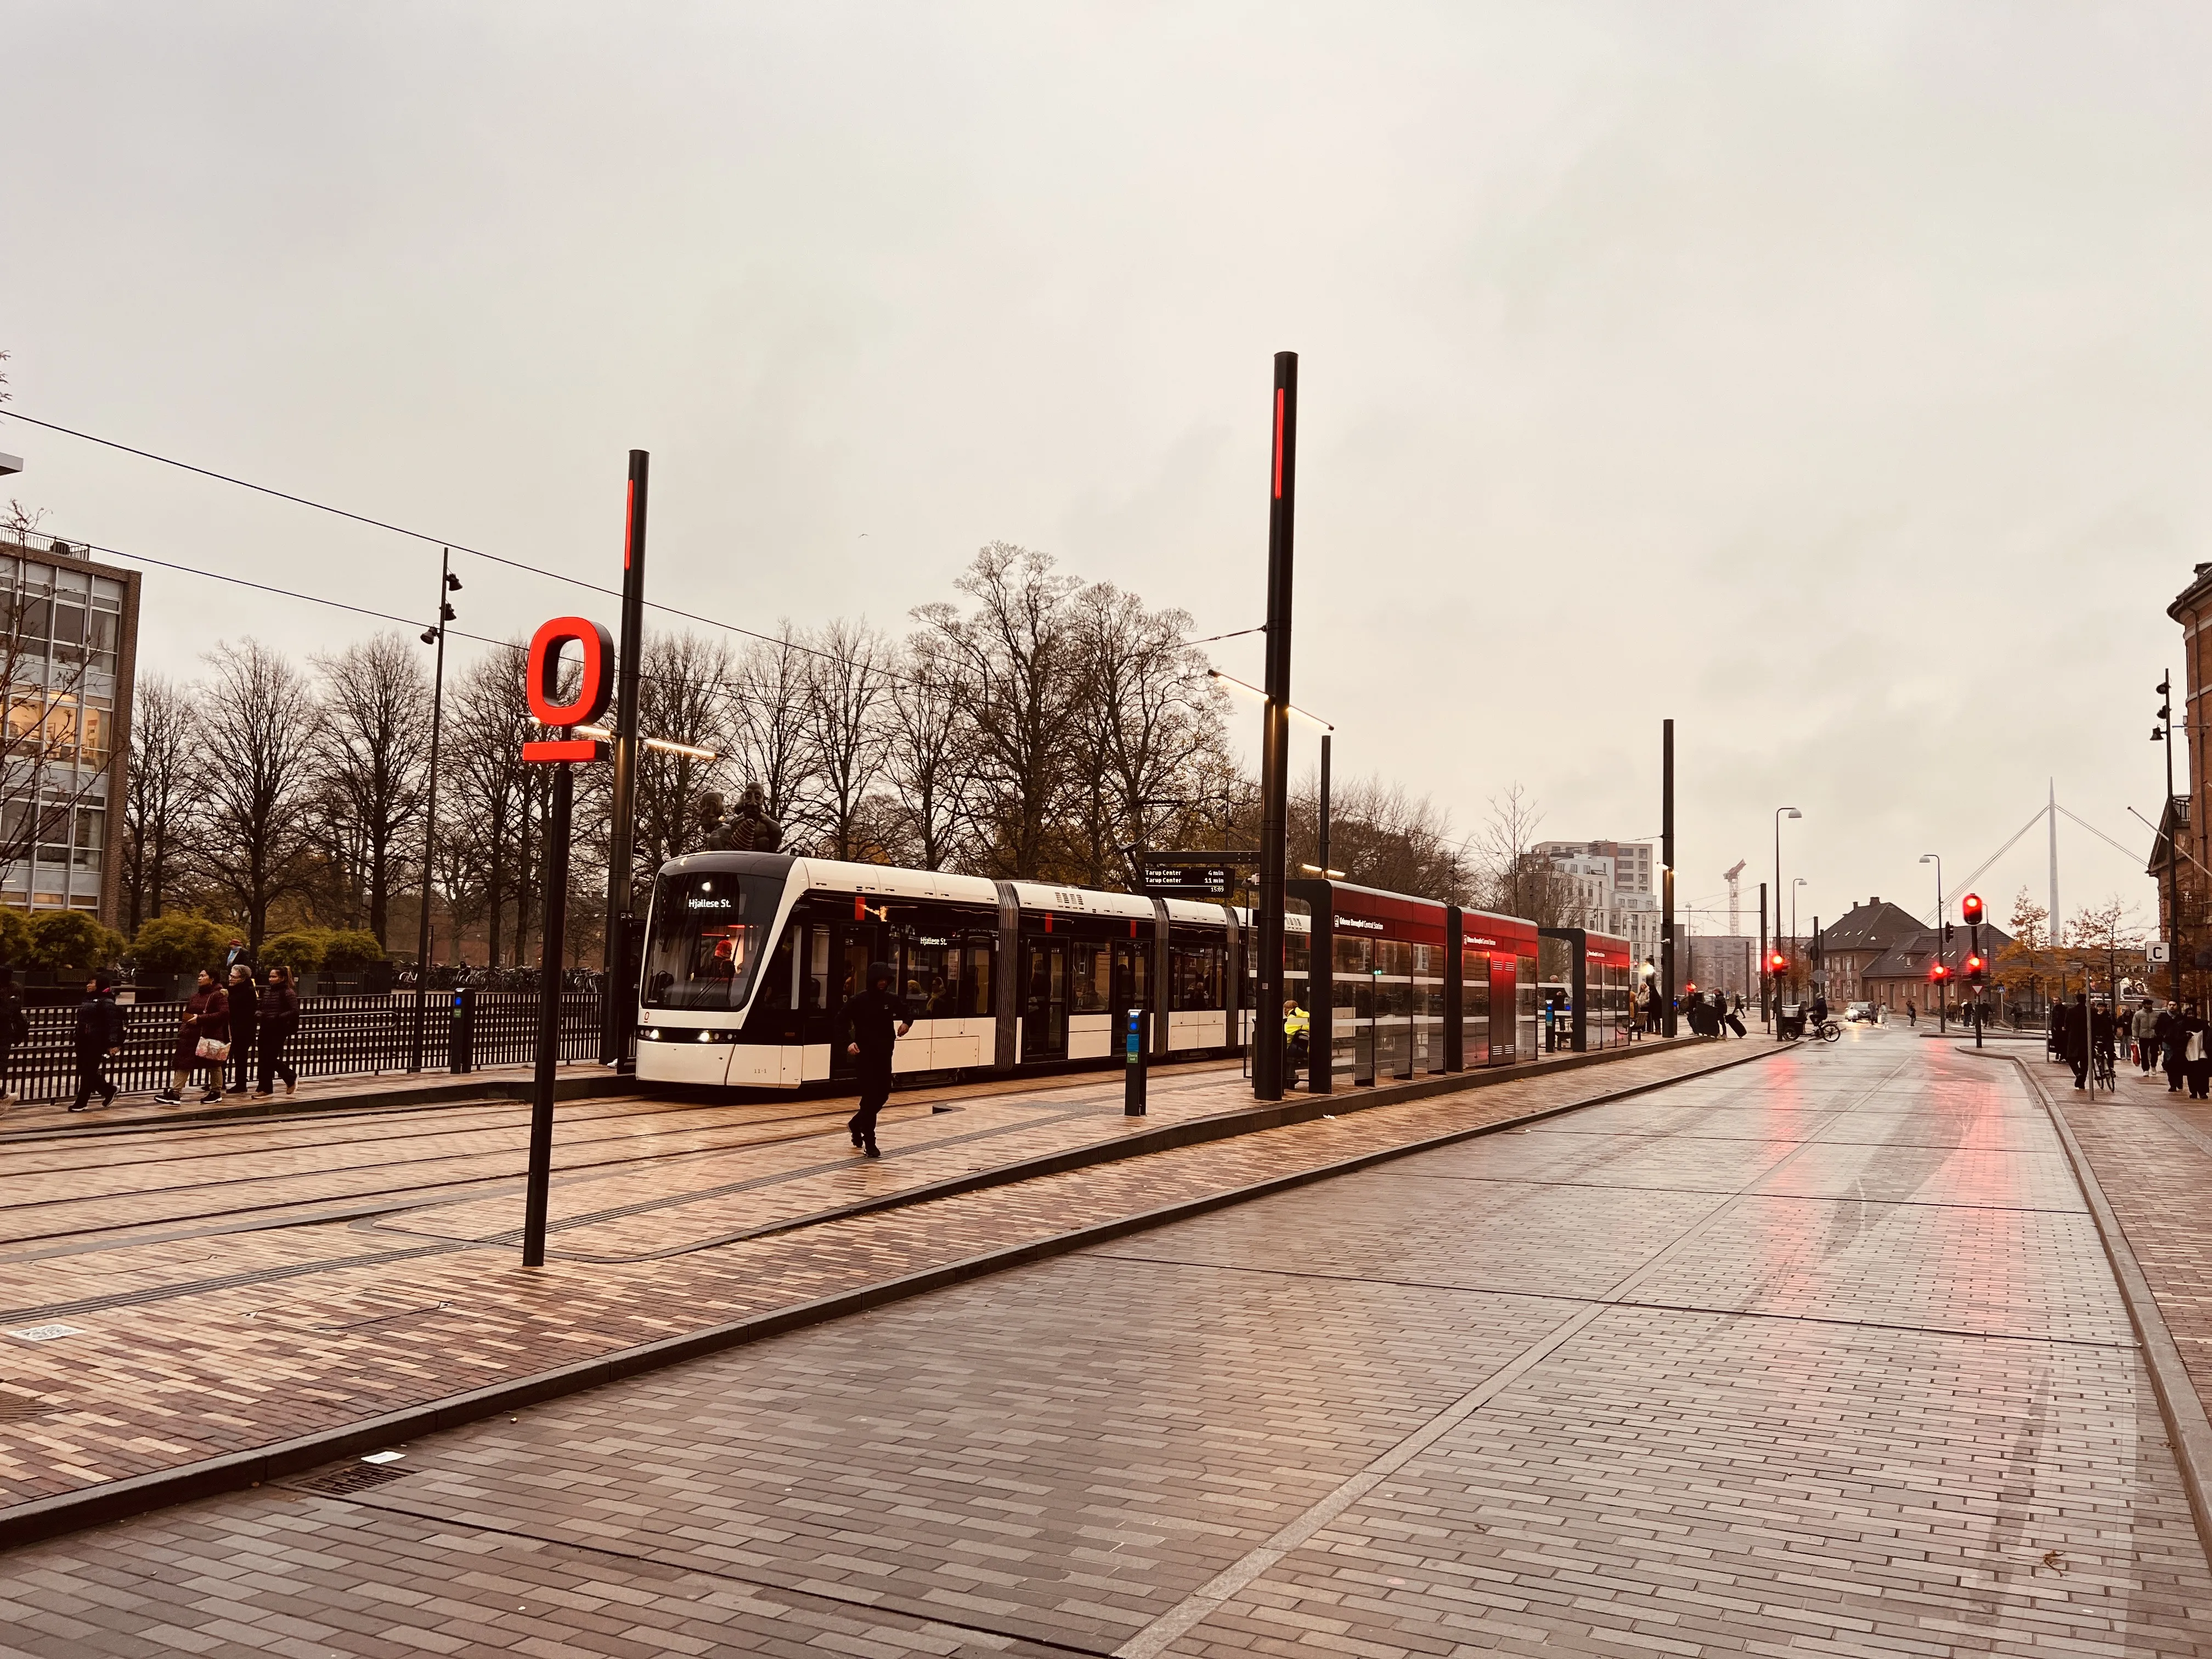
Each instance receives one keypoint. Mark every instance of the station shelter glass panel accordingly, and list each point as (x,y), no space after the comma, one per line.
(1525,999)
(1474,1004)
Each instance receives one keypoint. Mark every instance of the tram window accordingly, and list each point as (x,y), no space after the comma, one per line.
(814,982)
(974,998)
(1354,953)
(1091,989)
(710,931)
(775,989)
(932,983)
(1196,975)
(1132,975)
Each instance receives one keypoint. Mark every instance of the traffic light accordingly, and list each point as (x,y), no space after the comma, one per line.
(1970,909)
(1939,972)
(1947,932)
(1777,963)
(1974,967)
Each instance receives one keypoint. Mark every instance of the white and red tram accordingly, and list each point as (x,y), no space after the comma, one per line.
(750,957)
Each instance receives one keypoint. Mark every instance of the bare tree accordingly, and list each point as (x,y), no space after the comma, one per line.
(767,719)
(684,695)
(930,760)
(847,685)
(157,799)
(1020,663)
(1514,878)
(490,720)
(256,728)
(376,704)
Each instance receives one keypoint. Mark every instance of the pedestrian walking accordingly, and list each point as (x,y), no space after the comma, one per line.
(14,1026)
(2169,1041)
(1912,1014)
(202,1042)
(99,1040)
(875,1020)
(2076,1036)
(245,1026)
(2144,1028)
(280,1018)
(2196,1054)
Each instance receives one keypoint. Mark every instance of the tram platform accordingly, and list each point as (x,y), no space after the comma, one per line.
(188,1309)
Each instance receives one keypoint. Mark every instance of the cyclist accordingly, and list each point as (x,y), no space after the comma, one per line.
(1819,1010)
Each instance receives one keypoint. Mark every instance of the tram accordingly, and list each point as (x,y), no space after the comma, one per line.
(750,957)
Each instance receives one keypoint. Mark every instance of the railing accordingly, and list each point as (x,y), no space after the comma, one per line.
(338,1036)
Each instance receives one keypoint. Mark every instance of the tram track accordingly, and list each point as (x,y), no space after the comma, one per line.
(623,1155)
(359,1215)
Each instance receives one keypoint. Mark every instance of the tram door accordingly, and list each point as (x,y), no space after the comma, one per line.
(1044,1000)
(854,946)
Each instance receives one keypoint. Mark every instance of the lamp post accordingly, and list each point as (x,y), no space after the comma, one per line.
(434,634)
(1796,882)
(1943,982)
(2164,733)
(1766,979)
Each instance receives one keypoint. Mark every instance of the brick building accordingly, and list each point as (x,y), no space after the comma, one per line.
(2183,822)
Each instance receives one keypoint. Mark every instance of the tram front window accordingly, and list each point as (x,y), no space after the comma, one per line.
(710,932)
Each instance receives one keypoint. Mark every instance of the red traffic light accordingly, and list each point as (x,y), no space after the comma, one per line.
(1973,964)
(1970,909)
(1939,971)
(1777,962)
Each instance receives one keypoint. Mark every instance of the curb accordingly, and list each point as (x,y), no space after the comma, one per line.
(2178,1403)
(66,1512)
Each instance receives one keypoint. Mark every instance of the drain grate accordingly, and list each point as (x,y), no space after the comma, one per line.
(350,1477)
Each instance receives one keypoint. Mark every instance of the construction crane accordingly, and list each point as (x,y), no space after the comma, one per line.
(1735,930)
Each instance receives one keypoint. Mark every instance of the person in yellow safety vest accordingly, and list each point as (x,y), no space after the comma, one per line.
(1296,1023)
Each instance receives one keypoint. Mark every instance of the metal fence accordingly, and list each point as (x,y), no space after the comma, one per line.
(338,1036)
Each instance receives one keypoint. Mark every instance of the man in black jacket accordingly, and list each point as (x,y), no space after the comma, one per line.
(876,1020)
(99,1039)
(245,1023)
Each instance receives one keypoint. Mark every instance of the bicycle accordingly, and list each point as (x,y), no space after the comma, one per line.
(1826,1031)
(2107,1078)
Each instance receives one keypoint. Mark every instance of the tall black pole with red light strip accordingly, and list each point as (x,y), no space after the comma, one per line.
(560,750)
(1275,746)
(620,1009)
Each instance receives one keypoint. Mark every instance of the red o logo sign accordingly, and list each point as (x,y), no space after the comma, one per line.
(594,687)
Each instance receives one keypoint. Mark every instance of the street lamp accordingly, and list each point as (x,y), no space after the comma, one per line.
(434,634)
(2163,733)
(1942,985)
(1780,813)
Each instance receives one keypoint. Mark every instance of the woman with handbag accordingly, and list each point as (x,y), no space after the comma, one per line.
(203,1041)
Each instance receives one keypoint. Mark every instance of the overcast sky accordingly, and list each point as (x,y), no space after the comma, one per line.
(1832,379)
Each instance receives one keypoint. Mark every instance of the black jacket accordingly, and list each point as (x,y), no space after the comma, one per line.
(873,1018)
(245,1010)
(99,1023)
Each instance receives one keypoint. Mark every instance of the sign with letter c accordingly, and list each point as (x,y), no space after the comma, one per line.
(593,691)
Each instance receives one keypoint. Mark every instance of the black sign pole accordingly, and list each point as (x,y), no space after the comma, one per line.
(620,1008)
(1274,742)
(1666,859)
(549,1020)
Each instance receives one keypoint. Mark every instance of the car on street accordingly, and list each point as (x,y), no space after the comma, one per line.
(1860,1010)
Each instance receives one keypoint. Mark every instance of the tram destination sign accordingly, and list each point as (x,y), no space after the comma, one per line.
(1209,875)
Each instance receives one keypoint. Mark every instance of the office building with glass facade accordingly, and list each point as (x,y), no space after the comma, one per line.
(70,649)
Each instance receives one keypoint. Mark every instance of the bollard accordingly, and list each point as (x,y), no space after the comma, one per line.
(461,1043)
(1133,1022)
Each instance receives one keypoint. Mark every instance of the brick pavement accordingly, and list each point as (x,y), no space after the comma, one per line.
(2151,1153)
(201,1332)
(1584,1388)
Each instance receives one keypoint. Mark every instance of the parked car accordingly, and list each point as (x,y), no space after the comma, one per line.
(1862,1011)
